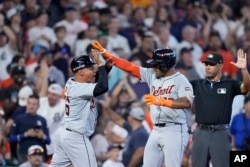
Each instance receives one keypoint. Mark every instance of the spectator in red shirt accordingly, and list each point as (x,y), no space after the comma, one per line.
(215,45)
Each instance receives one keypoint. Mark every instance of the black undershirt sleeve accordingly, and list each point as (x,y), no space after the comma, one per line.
(102,82)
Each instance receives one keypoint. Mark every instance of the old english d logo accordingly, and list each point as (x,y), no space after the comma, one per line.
(221,91)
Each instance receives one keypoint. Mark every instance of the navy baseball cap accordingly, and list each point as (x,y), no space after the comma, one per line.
(113,146)
(70,7)
(214,58)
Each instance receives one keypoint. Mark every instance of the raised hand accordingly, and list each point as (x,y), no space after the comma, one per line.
(241,60)
(95,57)
(96,45)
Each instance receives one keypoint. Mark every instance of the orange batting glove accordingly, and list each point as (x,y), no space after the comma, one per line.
(151,99)
(96,45)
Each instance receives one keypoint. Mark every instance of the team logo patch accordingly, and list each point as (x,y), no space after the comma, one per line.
(210,56)
(221,91)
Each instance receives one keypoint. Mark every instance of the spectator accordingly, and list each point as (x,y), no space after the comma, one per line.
(215,45)
(145,50)
(5,153)
(7,47)
(29,12)
(14,17)
(166,39)
(116,42)
(89,36)
(29,129)
(52,10)
(150,16)
(191,69)
(35,157)
(107,132)
(240,128)
(52,109)
(54,74)
(23,96)
(189,36)
(125,15)
(61,51)
(113,153)
(137,138)
(7,81)
(6,5)
(121,96)
(9,95)
(42,34)
(104,19)
(72,24)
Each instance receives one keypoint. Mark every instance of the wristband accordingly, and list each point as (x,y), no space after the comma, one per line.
(103,51)
(168,103)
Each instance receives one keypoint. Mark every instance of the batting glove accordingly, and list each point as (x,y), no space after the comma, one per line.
(96,45)
(151,99)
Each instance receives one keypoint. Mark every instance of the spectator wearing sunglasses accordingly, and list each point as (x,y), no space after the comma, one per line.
(35,157)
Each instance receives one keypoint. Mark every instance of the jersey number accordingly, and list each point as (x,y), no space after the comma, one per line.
(67,105)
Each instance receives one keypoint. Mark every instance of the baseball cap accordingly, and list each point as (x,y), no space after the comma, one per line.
(70,7)
(185,47)
(37,48)
(35,149)
(137,113)
(55,88)
(24,94)
(11,12)
(18,70)
(214,58)
(112,146)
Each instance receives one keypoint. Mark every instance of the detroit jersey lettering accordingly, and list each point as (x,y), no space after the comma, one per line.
(81,113)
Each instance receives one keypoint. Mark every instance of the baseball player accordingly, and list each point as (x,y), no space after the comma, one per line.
(170,94)
(73,145)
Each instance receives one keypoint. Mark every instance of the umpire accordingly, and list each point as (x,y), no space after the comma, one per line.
(213,108)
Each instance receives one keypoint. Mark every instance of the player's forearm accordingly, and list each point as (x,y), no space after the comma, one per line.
(108,69)
(181,103)
(115,117)
(102,83)
(137,156)
(124,65)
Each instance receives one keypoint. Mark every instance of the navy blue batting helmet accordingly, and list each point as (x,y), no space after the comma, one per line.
(164,58)
(81,62)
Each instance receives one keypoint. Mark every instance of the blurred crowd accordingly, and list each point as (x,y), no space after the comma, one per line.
(38,39)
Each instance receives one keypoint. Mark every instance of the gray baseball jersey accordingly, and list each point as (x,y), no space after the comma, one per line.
(166,143)
(81,113)
(171,87)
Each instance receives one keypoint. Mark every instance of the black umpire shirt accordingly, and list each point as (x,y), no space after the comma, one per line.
(213,100)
